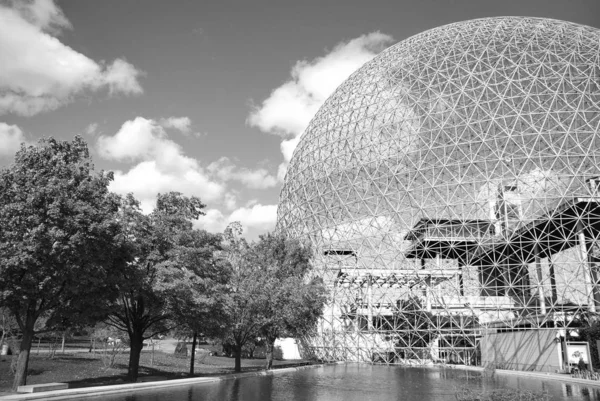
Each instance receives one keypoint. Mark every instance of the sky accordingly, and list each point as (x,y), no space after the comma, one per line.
(207,98)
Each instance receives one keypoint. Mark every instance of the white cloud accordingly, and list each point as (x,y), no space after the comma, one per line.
(281,170)
(146,179)
(91,129)
(288,146)
(161,165)
(213,221)
(11,138)
(259,218)
(120,77)
(43,14)
(39,73)
(138,139)
(230,201)
(256,179)
(290,107)
(179,123)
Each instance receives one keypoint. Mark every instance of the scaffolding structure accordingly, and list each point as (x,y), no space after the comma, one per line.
(449,189)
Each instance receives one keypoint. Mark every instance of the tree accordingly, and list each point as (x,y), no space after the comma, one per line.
(290,302)
(590,332)
(142,310)
(57,231)
(414,326)
(194,280)
(271,293)
(241,304)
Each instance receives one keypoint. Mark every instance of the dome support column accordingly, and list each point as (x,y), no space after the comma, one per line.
(540,280)
(589,286)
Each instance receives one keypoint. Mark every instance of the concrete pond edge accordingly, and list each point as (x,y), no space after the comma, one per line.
(538,375)
(113,389)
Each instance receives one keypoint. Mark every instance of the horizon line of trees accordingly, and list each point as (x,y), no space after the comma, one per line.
(73,254)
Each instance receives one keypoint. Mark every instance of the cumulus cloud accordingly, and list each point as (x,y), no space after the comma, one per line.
(146,179)
(161,165)
(257,217)
(256,179)
(11,138)
(138,139)
(43,14)
(213,221)
(230,201)
(39,73)
(120,77)
(290,107)
(179,123)
(91,129)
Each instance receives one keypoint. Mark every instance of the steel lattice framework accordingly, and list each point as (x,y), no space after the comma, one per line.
(449,186)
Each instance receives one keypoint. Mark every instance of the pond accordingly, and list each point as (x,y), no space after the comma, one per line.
(356,382)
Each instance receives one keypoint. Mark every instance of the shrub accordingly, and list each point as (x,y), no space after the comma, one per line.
(277,353)
(181,349)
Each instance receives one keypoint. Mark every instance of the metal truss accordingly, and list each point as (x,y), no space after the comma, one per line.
(450,187)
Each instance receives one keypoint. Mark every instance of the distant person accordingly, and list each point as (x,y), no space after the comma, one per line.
(581,364)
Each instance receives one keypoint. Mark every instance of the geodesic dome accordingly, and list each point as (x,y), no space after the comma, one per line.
(449,187)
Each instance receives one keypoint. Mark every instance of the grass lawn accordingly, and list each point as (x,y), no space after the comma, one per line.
(84,369)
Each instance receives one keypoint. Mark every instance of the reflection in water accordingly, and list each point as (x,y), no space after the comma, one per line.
(355,382)
(584,393)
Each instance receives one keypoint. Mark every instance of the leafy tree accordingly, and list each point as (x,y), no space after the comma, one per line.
(57,232)
(414,325)
(194,280)
(142,310)
(289,301)
(241,303)
(271,294)
(590,332)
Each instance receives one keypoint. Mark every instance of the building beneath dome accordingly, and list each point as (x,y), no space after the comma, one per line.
(449,190)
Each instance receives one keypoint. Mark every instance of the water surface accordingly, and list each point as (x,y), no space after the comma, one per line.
(355,382)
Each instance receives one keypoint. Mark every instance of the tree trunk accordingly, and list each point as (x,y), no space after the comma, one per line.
(237,350)
(3,332)
(136,342)
(62,348)
(270,345)
(193,359)
(24,351)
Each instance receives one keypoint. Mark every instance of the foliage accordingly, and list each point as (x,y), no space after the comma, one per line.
(591,333)
(194,280)
(150,245)
(57,231)
(239,305)
(271,294)
(290,301)
(413,324)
